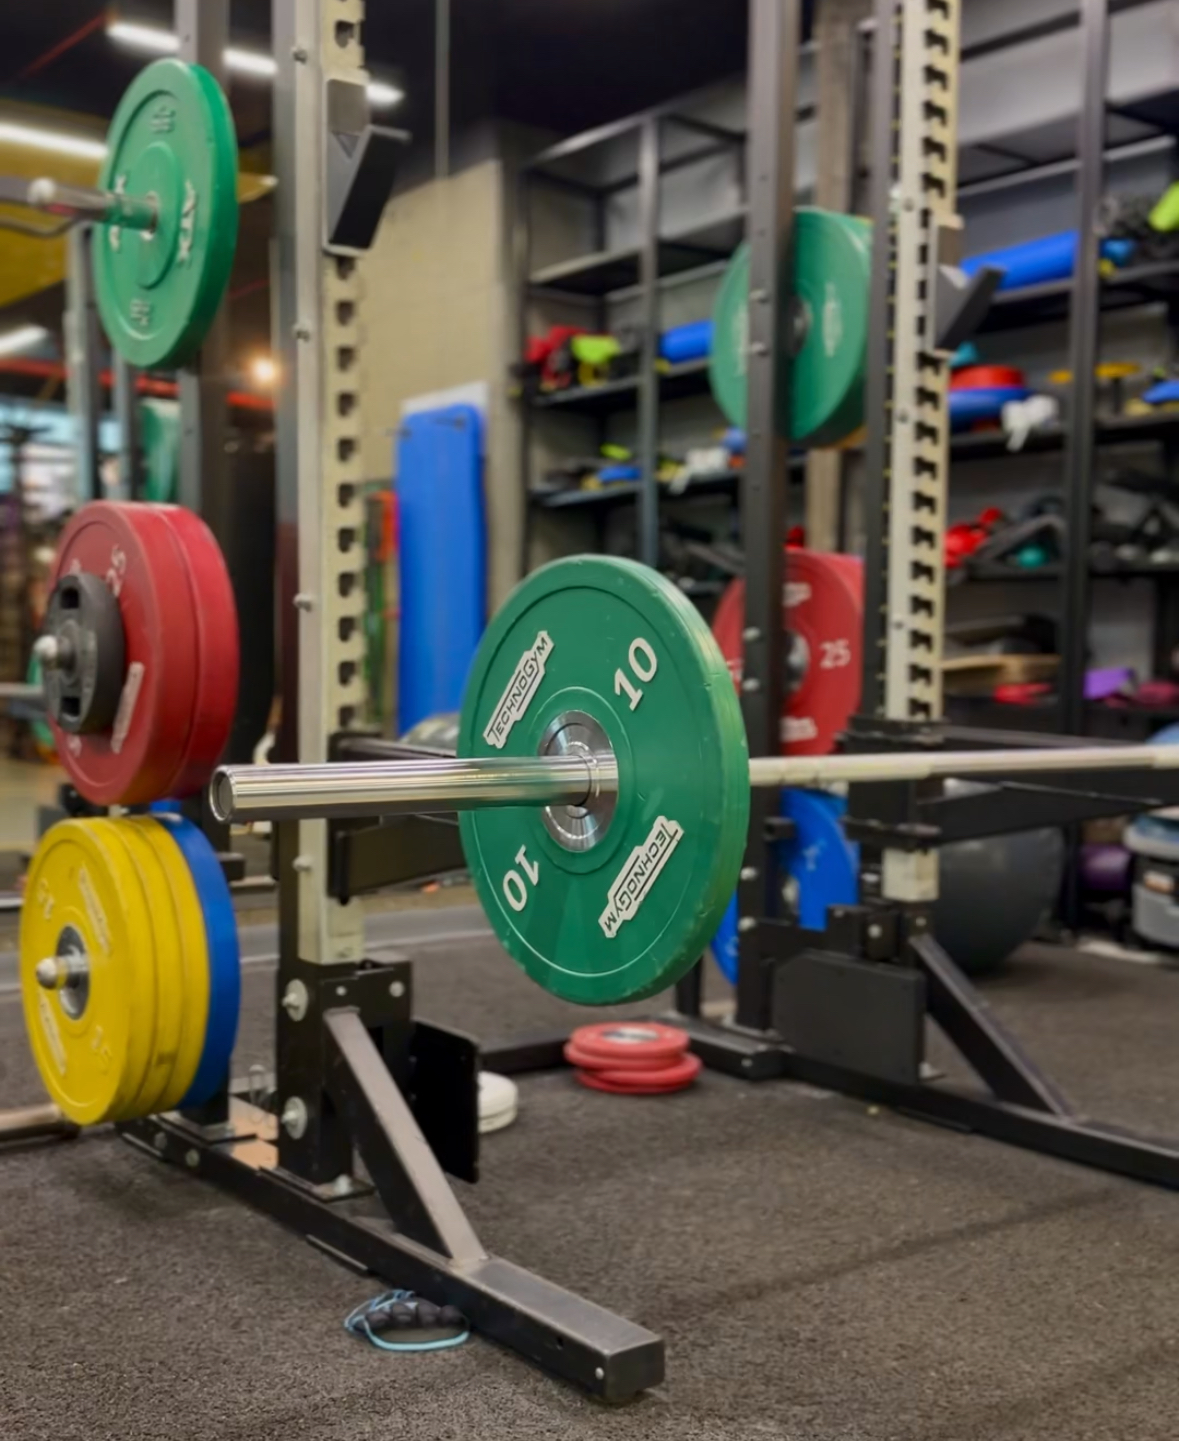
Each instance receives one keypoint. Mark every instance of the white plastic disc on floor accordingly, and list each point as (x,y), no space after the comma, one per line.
(498,1102)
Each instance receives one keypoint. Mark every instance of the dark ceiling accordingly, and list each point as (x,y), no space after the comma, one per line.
(557,65)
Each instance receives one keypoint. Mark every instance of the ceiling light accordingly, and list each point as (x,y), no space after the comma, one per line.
(143,37)
(263,371)
(24,337)
(250,62)
(243,62)
(381,94)
(55,140)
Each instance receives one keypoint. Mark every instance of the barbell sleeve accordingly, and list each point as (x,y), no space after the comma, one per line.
(390,788)
(382,788)
(80,202)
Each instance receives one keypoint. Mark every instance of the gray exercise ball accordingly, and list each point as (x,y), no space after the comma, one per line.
(994,892)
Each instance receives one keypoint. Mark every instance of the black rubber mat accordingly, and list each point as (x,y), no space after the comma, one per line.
(818,1269)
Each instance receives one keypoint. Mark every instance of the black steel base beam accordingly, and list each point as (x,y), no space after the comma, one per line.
(396,1155)
(602,1353)
(982,1039)
(524,1054)
(1088,1143)
(732,1052)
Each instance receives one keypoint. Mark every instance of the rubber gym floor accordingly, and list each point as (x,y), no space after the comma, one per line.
(818,1269)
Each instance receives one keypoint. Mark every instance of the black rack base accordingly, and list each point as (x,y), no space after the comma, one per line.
(608,1357)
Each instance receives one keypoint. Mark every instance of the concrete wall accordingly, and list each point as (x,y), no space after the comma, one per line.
(437,316)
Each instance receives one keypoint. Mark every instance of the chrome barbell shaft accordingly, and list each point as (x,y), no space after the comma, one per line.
(376,788)
(925,765)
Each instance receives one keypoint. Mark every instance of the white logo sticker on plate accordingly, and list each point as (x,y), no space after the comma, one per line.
(126,711)
(518,693)
(634,881)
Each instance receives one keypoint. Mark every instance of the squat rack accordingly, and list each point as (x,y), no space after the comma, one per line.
(355,1073)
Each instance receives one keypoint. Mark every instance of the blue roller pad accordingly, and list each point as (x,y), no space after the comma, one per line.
(1050,257)
(1166,392)
(681,343)
(221,944)
(984,403)
(823,864)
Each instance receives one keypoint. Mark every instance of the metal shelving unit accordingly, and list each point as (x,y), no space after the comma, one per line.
(1082,301)
(1116,570)
(675,382)
(723,483)
(608,271)
(1124,289)
(635,273)
(1161,426)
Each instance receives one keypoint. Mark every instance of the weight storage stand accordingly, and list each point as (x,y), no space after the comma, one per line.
(845,1008)
(356,1075)
(864,1020)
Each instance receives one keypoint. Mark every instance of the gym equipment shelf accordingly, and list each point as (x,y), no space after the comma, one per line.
(1112,570)
(724,483)
(1038,304)
(1163,425)
(675,382)
(661,253)
(606,271)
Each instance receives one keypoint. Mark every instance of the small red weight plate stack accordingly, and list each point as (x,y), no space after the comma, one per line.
(639,1058)
(135,551)
(823,609)
(987,377)
(217,650)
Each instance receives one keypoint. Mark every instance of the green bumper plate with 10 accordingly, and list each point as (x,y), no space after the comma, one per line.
(614,900)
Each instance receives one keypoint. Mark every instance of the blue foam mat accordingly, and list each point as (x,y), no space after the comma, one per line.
(442,539)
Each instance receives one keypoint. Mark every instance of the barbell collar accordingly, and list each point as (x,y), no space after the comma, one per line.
(54,973)
(55,652)
(341,791)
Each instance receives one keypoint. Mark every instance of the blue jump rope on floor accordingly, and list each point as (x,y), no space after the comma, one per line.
(359,1323)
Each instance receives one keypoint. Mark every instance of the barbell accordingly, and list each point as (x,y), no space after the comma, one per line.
(603,779)
(389,788)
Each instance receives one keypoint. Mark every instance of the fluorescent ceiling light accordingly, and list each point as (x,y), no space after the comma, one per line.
(55,140)
(245,62)
(250,62)
(143,37)
(24,337)
(381,94)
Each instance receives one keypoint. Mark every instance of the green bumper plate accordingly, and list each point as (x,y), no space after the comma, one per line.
(832,264)
(172,138)
(40,728)
(612,640)
(159,432)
